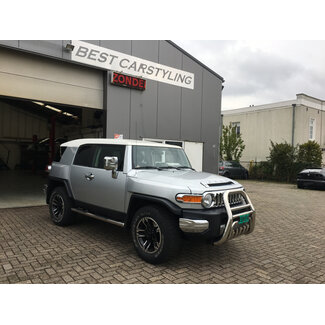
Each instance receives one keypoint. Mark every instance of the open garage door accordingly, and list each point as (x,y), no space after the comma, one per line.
(30,136)
(29,76)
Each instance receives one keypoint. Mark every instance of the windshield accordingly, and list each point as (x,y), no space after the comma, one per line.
(159,157)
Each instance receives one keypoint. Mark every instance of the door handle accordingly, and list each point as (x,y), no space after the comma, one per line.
(90,177)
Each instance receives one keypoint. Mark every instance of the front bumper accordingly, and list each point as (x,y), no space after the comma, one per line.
(219,224)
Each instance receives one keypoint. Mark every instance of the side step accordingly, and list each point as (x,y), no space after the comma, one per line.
(95,216)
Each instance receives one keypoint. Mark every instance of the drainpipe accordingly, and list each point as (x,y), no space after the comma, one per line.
(293,123)
(220,135)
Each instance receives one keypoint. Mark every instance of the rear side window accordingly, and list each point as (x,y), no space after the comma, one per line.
(107,150)
(85,155)
(59,153)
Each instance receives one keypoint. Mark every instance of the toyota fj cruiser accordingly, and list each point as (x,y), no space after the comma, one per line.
(149,188)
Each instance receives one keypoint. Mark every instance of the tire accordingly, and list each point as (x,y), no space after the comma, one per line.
(60,207)
(157,227)
(226,175)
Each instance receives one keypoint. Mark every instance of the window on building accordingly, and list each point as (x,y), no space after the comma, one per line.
(237,125)
(312,128)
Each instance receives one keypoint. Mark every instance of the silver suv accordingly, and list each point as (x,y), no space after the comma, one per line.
(149,188)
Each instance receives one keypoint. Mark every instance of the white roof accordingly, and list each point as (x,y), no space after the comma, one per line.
(126,142)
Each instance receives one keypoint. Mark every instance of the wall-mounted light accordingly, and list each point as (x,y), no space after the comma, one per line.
(69,47)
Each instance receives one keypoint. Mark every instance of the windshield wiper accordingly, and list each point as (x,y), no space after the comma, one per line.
(184,167)
(146,167)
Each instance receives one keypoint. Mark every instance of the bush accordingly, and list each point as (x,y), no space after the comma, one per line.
(310,154)
(282,158)
(286,161)
(262,170)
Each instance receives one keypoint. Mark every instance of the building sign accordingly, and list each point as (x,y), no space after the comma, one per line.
(101,57)
(122,80)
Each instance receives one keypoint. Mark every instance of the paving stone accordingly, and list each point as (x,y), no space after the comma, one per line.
(287,246)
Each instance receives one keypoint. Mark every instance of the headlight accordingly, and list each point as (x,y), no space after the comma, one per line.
(207,200)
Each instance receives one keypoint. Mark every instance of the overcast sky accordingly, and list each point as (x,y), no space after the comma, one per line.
(261,72)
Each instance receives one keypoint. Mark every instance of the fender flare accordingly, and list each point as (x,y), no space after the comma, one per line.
(54,182)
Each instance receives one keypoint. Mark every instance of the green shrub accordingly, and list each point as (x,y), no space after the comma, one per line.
(310,154)
(286,161)
(282,158)
(261,170)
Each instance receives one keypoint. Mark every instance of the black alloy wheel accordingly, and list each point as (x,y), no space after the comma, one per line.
(148,235)
(155,233)
(60,207)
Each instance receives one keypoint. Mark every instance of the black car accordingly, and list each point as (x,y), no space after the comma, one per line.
(311,178)
(232,169)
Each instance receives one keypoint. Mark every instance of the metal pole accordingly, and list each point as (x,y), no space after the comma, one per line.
(105,104)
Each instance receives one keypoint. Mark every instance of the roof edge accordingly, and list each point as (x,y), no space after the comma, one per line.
(196,60)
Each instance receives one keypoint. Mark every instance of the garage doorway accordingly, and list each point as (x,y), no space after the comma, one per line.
(31,132)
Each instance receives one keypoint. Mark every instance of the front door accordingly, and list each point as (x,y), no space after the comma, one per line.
(94,186)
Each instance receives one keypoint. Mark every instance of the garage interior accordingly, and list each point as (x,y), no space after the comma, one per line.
(30,136)
(43,102)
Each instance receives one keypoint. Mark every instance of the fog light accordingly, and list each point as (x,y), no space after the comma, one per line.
(207,200)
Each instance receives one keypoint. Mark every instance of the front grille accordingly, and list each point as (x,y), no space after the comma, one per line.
(234,199)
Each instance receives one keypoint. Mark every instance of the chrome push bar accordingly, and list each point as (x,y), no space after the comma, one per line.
(232,228)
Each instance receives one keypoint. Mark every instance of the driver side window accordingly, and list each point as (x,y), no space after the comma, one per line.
(110,150)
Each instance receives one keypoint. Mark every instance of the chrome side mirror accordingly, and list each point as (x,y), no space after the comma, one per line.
(111,163)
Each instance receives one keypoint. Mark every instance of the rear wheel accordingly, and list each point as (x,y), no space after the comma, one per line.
(155,233)
(60,207)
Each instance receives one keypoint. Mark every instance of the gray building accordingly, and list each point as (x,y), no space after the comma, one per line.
(67,89)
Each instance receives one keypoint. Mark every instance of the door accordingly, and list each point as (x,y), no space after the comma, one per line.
(93,185)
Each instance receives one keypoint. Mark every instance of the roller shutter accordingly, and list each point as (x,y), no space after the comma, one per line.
(29,76)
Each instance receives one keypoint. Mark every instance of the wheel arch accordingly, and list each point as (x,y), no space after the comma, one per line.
(139,200)
(54,182)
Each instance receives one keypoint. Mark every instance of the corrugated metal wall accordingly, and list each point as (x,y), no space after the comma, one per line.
(162,110)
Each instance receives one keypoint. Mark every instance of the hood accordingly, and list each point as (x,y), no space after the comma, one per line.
(197,182)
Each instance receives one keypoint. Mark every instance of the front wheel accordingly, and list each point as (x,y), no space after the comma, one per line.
(155,234)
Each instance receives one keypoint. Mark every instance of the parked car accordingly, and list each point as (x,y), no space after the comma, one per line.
(149,188)
(232,169)
(311,178)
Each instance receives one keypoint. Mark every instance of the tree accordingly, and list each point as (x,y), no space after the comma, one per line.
(231,143)
(310,154)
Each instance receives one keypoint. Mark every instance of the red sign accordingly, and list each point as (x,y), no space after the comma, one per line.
(123,80)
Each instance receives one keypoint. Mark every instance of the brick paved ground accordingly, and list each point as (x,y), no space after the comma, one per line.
(287,246)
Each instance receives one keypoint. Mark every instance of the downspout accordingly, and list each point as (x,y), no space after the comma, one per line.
(293,124)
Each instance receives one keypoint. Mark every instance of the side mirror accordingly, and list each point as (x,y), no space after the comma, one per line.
(111,163)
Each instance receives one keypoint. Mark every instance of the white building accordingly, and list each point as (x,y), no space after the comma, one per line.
(294,121)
